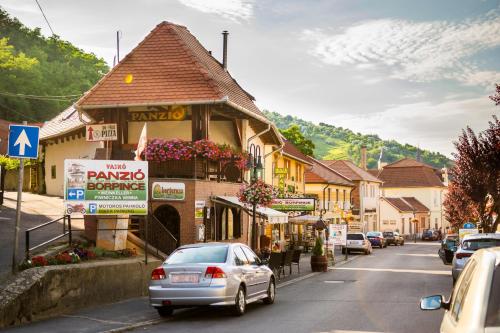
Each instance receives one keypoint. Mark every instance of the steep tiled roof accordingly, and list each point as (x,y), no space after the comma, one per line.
(399,204)
(320,173)
(168,66)
(373,172)
(407,162)
(351,170)
(409,176)
(416,205)
(64,122)
(292,151)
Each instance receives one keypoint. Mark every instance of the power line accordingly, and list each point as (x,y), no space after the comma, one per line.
(45,17)
(18,113)
(68,98)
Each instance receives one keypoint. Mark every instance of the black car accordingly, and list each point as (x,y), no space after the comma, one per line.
(448,248)
(389,236)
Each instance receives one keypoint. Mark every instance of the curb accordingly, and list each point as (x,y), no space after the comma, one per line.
(279,285)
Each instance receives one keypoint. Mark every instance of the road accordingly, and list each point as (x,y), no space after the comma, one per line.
(376,293)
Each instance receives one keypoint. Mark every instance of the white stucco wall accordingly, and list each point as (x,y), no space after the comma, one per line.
(223,132)
(160,129)
(55,154)
(391,218)
(431,197)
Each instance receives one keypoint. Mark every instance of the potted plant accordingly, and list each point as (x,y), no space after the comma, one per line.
(319,261)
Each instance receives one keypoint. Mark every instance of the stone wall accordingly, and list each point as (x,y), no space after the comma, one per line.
(43,292)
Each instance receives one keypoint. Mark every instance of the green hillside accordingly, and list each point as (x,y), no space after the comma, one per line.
(41,76)
(340,143)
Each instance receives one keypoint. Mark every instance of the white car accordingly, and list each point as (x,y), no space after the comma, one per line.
(357,241)
(474,305)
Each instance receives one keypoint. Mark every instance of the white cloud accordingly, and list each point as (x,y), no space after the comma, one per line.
(432,126)
(235,10)
(414,51)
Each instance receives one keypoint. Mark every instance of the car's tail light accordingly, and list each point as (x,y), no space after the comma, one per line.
(158,274)
(214,272)
(463,255)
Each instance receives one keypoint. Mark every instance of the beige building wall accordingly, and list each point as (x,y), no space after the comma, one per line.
(296,170)
(223,132)
(317,189)
(160,130)
(431,197)
(392,219)
(55,154)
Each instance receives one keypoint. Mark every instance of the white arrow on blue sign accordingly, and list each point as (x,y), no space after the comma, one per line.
(23,141)
(469,225)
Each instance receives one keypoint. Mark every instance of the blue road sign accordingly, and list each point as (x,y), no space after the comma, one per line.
(76,194)
(23,141)
(469,225)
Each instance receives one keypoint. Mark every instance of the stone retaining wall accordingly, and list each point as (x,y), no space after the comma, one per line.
(43,292)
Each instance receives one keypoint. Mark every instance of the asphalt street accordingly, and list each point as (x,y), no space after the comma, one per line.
(376,293)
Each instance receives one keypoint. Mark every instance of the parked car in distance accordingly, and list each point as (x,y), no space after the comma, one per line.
(399,239)
(469,245)
(389,237)
(218,274)
(429,234)
(357,241)
(376,238)
(474,305)
(448,247)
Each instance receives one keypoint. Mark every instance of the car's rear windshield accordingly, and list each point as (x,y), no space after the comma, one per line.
(372,234)
(427,231)
(389,234)
(476,244)
(355,237)
(199,255)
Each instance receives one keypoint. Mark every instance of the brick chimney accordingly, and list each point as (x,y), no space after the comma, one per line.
(224,49)
(363,158)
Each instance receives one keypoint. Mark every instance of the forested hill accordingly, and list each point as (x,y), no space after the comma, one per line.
(340,143)
(41,76)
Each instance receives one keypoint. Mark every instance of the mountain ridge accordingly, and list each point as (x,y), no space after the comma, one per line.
(340,143)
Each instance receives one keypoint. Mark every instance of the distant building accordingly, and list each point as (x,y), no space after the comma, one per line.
(400,214)
(411,178)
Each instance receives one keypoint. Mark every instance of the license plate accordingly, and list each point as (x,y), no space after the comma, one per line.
(185,278)
(355,242)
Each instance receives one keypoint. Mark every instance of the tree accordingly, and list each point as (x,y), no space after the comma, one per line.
(477,172)
(9,61)
(496,98)
(295,136)
(459,208)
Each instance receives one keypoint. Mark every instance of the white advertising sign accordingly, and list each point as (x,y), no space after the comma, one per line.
(463,232)
(337,234)
(101,132)
(103,187)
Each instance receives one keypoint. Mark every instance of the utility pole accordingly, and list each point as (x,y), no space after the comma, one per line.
(18,212)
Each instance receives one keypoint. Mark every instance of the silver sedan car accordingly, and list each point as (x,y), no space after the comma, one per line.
(219,274)
(469,245)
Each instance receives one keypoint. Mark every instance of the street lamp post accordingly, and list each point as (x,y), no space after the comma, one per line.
(255,164)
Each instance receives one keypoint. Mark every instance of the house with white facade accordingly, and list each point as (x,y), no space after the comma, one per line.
(402,214)
(411,178)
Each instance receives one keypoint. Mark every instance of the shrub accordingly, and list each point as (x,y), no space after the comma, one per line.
(318,247)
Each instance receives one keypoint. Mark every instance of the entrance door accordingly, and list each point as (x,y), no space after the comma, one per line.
(171,220)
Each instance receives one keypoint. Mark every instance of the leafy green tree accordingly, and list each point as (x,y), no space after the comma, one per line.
(41,66)
(295,136)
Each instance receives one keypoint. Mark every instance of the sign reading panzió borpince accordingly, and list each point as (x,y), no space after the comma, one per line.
(95,187)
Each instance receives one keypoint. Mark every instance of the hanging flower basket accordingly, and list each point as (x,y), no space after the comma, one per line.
(258,193)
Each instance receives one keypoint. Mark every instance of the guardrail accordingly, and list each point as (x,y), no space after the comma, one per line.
(64,234)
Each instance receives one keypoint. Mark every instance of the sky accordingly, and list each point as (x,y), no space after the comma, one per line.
(414,71)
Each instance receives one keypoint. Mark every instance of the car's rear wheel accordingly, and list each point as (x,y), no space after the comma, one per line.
(240,302)
(165,311)
(271,293)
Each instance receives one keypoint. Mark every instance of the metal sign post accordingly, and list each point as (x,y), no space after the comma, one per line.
(23,143)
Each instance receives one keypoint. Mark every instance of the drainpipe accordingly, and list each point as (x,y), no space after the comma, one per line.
(274,150)
(324,189)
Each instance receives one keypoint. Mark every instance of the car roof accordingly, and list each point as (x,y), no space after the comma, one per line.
(481,236)
(211,244)
(493,251)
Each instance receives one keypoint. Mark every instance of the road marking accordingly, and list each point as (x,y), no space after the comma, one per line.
(136,325)
(103,321)
(344,331)
(5,218)
(284,284)
(395,270)
(419,255)
(421,243)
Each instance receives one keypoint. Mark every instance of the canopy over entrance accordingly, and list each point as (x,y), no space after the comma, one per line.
(271,215)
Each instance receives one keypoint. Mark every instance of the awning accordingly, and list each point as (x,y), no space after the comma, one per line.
(304,219)
(272,216)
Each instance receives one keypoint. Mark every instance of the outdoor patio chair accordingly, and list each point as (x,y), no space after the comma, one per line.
(275,263)
(287,260)
(296,259)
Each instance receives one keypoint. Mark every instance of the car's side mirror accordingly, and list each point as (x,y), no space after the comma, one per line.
(433,302)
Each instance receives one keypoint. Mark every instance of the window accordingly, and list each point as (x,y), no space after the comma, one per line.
(239,257)
(460,295)
(422,222)
(252,257)
(337,195)
(53,172)
(197,255)
(345,197)
(403,225)
(329,197)
(298,172)
(287,167)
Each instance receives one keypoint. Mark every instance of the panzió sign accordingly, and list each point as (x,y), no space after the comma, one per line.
(93,187)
